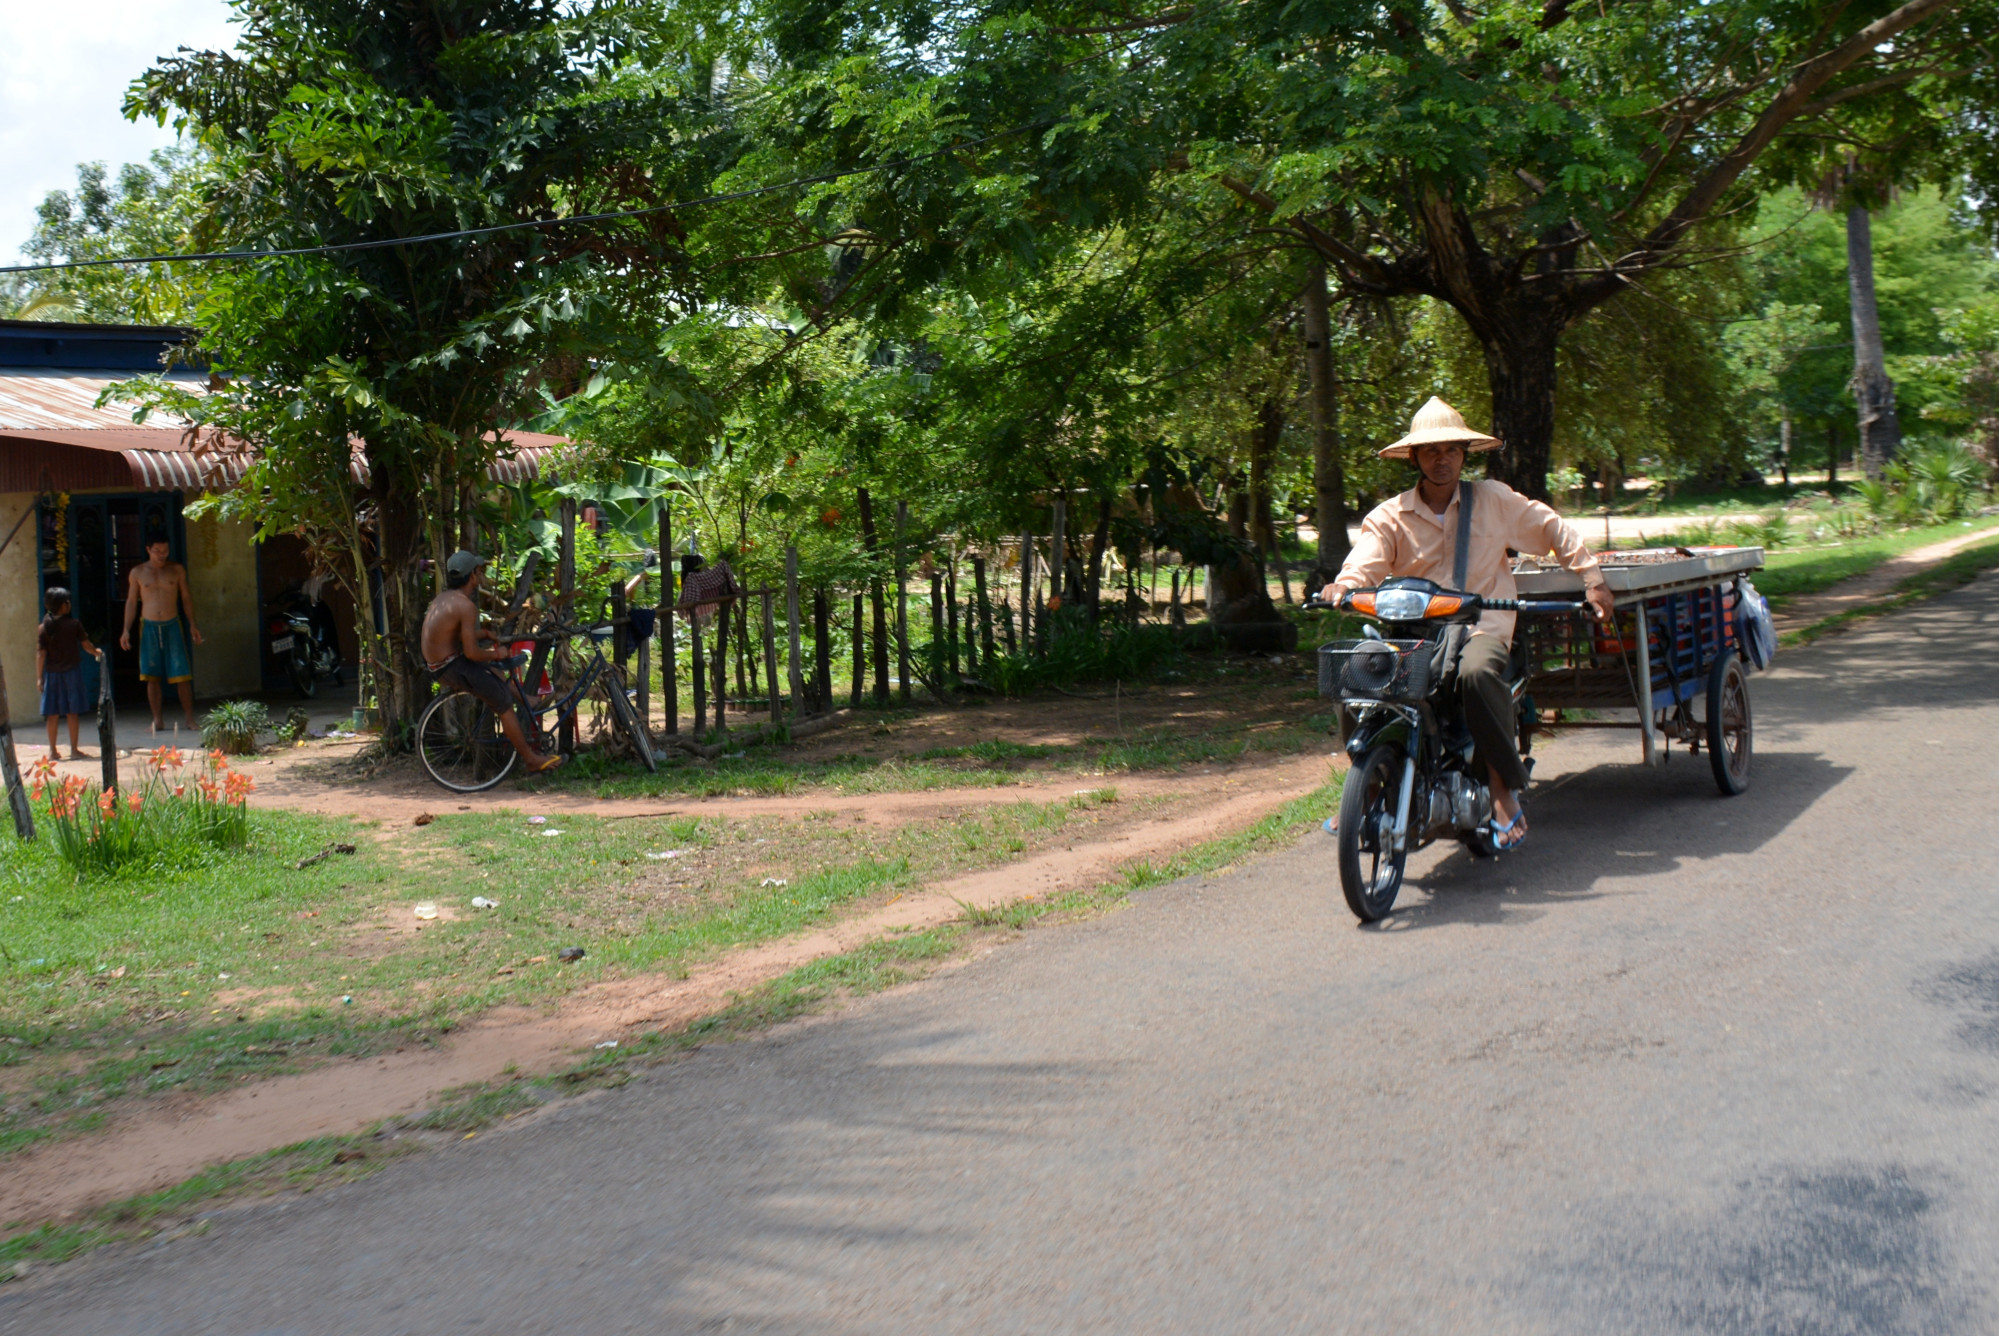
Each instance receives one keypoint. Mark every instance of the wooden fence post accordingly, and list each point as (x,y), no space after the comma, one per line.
(901,603)
(796,679)
(985,610)
(669,670)
(10,766)
(860,650)
(107,722)
(770,660)
(1027,591)
(1058,551)
(698,669)
(720,663)
(951,610)
(822,651)
(565,583)
(936,650)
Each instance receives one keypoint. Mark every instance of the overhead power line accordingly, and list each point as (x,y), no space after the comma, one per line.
(531,224)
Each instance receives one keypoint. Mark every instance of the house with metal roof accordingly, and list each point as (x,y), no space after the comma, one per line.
(84,489)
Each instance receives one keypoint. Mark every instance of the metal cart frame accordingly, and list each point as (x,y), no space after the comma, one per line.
(1676,618)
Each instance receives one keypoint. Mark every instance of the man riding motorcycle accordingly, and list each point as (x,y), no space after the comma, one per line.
(1416,534)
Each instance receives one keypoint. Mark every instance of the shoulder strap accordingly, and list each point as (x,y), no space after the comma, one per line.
(1460,561)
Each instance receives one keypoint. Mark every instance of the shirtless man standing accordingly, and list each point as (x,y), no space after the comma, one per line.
(456,657)
(160,587)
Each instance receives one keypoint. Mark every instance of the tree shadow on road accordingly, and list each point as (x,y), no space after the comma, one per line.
(1612,822)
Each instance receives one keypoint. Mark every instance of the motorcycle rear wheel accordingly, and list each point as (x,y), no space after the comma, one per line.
(1371,877)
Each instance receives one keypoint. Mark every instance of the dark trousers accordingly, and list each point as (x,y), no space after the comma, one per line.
(1488,707)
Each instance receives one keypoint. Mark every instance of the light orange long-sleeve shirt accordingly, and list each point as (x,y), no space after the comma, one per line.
(1403,536)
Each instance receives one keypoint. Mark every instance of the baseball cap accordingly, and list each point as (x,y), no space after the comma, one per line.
(462,564)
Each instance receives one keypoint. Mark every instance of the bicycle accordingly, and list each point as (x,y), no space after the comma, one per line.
(459,736)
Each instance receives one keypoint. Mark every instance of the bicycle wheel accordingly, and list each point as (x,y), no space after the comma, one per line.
(461,744)
(628,719)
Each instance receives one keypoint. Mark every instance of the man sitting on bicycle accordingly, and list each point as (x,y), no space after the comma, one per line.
(457,651)
(1416,534)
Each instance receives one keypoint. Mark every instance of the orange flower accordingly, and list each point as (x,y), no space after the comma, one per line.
(133,801)
(107,802)
(238,787)
(180,790)
(43,769)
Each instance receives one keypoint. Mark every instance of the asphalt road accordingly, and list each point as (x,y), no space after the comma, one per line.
(1685,1065)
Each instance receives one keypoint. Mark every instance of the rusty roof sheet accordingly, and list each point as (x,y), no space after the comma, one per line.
(50,399)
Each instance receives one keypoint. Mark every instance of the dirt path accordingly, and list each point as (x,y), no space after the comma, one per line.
(1874,584)
(168,1142)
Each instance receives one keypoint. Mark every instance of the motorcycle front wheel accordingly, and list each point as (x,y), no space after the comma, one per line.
(1370,868)
(299,670)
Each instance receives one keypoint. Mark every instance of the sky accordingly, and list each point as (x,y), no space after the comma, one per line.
(67,65)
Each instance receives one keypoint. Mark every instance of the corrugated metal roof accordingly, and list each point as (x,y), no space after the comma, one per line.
(40,398)
(60,437)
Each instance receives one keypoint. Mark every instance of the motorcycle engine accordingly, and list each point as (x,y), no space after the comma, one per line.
(1471,803)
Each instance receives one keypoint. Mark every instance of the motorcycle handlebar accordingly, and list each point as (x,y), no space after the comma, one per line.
(1553,607)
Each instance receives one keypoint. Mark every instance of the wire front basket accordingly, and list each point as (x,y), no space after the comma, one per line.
(1386,670)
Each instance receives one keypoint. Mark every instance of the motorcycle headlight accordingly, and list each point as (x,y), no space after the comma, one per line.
(1401,605)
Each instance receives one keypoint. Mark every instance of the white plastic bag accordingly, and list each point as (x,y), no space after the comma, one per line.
(1753,625)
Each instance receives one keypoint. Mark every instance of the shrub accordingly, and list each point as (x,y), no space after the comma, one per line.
(1080,652)
(1770,531)
(1930,482)
(167,820)
(232,727)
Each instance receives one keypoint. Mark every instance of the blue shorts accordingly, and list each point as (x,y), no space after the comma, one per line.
(63,693)
(163,652)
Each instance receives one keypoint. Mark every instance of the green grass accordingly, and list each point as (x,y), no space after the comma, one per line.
(240,970)
(1955,571)
(883,963)
(1807,570)
(300,1167)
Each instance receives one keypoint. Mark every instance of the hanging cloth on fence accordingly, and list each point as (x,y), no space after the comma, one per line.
(704,590)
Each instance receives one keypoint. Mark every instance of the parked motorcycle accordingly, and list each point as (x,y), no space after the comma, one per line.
(1413,780)
(304,641)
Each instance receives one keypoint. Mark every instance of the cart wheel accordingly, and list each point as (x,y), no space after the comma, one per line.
(1731,732)
(1370,870)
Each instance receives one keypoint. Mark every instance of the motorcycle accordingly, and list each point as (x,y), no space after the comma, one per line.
(1413,780)
(304,642)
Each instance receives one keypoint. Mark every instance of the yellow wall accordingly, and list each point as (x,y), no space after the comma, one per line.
(20,610)
(222,570)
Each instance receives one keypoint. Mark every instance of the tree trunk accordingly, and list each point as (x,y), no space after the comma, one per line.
(1329,478)
(1784,447)
(1873,392)
(1831,455)
(1520,369)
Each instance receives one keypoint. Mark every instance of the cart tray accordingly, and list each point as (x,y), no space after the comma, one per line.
(1642,571)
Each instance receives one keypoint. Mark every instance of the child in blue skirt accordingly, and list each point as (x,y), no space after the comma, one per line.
(60,645)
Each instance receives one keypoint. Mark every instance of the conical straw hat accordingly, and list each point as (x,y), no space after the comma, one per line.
(1435,423)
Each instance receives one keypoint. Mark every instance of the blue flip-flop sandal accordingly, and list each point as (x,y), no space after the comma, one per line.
(1500,842)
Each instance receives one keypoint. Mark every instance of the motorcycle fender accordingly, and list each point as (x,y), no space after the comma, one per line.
(1371,732)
